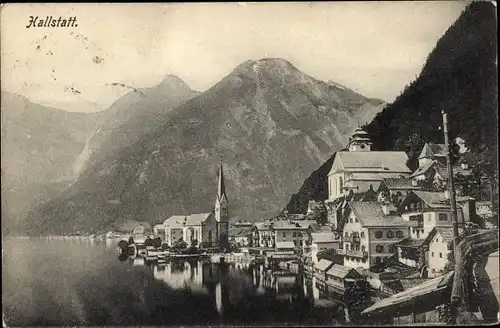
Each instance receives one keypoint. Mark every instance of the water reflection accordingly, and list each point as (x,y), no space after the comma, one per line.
(76,282)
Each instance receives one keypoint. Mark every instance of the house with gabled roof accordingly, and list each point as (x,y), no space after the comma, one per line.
(429,209)
(321,241)
(370,232)
(438,243)
(339,277)
(432,152)
(395,189)
(174,229)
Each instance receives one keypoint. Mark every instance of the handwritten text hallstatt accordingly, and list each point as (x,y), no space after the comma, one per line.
(50,21)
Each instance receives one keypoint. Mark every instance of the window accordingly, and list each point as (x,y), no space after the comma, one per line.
(429,218)
(294,234)
(357,260)
(346,235)
(399,234)
(363,248)
(378,234)
(347,246)
(377,260)
(341,184)
(432,254)
(284,234)
(443,217)
(362,234)
(440,255)
(362,146)
(392,249)
(379,249)
(437,240)
(355,220)
(351,220)
(357,247)
(390,234)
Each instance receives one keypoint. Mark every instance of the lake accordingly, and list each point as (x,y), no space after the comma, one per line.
(55,282)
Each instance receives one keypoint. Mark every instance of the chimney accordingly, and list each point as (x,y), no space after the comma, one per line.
(414,183)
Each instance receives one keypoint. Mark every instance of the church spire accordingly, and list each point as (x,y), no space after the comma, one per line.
(222,187)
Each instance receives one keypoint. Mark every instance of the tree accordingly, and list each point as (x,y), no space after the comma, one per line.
(317,211)
(357,297)
(180,244)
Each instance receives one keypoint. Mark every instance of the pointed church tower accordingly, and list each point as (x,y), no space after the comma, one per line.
(221,210)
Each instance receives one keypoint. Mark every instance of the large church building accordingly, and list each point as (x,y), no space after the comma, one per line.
(360,169)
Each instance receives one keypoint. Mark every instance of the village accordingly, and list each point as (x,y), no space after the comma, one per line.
(389,236)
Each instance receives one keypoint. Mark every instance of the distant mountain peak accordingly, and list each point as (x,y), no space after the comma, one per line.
(171,81)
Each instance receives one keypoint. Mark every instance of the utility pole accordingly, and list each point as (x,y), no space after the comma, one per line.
(451,187)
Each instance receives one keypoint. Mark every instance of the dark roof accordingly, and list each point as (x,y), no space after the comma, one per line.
(341,271)
(422,169)
(285,224)
(433,150)
(399,183)
(239,232)
(424,291)
(433,199)
(445,232)
(408,283)
(371,215)
(383,161)
(408,242)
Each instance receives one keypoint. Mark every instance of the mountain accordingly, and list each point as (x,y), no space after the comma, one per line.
(39,146)
(460,78)
(136,113)
(270,123)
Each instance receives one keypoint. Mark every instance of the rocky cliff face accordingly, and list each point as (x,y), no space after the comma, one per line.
(270,123)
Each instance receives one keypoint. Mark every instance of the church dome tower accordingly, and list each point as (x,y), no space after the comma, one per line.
(360,141)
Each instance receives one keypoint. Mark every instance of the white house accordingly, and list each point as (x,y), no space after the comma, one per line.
(437,243)
(174,227)
(322,241)
(370,234)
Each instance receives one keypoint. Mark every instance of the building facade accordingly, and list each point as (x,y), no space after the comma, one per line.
(370,234)
(361,169)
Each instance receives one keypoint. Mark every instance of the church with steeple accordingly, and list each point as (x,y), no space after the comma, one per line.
(204,230)
(221,209)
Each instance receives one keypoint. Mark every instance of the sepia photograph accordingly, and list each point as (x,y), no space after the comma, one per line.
(249,164)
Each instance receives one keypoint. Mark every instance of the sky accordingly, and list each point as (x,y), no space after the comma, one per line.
(374,48)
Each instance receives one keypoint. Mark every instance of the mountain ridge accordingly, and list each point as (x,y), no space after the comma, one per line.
(265,119)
